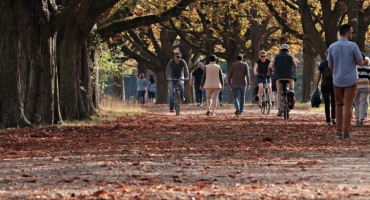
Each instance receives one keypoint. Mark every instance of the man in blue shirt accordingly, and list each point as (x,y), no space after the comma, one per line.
(343,56)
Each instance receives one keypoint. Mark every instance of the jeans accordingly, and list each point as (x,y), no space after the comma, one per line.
(344,97)
(239,89)
(220,96)
(172,91)
(198,93)
(329,100)
(141,96)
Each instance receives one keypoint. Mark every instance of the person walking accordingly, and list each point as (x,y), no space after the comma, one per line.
(238,81)
(327,90)
(343,56)
(151,89)
(195,83)
(141,88)
(361,100)
(176,69)
(213,83)
(284,68)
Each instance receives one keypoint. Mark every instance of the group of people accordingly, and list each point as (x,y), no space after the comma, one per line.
(143,85)
(345,66)
(212,79)
(345,83)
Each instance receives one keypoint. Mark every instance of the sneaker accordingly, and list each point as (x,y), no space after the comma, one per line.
(260,104)
(357,122)
(361,122)
(333,121)
(208,112)
(328,123)
(339,136)
(182,99)
(237,112)
(171,110)
(221,105)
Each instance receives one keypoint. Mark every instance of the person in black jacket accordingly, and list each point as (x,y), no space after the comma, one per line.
(284,68)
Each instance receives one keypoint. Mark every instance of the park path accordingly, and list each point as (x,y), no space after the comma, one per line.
(192,156)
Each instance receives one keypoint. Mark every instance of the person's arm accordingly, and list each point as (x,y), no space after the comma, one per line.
(203,79)
(329,58)
(230,75)
(255,68)
(221,77)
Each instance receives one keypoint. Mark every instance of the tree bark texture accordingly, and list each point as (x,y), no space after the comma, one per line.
(308,74)
(27,64)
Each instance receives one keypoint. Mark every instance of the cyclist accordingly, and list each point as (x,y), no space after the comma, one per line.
(284,68)
(261,69)
(213,83)
(176,69)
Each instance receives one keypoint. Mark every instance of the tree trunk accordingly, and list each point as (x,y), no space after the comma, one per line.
(308,74)
(162,87)
(27,65)
(118,87)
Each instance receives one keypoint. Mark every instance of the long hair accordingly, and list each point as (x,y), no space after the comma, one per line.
(151,79)
(141,75)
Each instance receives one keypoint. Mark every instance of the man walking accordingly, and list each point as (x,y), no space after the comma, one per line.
(343,56)
(238,81)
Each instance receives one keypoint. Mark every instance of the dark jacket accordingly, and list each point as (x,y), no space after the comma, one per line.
(284,66)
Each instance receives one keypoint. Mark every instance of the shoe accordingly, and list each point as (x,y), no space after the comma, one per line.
(333,121)
(182,99)
(339,136)
(208,112)
(361,122)
(280,113)
(237,112)
(328,123)
(213,114)
(260,104)
(346,138)
(357,122)
(221,105)
(171,110)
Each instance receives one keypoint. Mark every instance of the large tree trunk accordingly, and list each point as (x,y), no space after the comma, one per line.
(27,65)
(162,87)
(308,75)
(118,87)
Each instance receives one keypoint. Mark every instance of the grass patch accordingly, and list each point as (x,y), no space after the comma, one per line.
(309,107)
(110,110)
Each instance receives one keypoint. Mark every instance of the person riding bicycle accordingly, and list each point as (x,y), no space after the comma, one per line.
(284,68)
(176,69)
(262,71)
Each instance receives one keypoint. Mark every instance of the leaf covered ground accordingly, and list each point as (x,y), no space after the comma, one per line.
(192,156)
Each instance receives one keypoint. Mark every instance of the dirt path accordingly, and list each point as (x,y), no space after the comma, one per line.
(192,156)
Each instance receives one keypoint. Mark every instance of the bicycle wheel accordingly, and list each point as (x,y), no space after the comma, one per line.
(286,111)
(177,103)
(267,101)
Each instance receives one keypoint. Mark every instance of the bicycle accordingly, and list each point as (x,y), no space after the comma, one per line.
(266,106)
(177,98)
(284,99)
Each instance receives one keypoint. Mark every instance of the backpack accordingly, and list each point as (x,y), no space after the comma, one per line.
(327,78)
(316,99)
